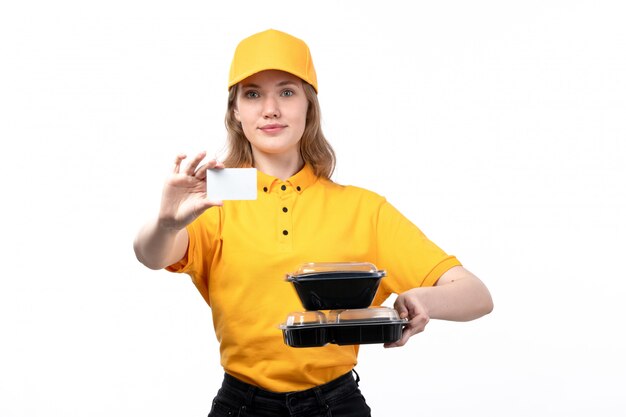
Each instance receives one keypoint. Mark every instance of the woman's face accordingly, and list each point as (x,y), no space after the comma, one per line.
(272,107)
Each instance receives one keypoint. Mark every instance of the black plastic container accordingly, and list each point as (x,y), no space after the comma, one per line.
(343,327)
(305,329)
(365,326)
(328,286)
(306,337)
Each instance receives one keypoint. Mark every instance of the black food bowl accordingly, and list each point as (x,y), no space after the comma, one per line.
(329,286)
(345,327)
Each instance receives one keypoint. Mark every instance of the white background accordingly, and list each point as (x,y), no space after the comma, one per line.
(497,127)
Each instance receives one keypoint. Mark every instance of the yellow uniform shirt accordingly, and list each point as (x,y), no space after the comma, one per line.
(239,253)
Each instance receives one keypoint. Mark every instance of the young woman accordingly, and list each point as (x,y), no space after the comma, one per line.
(238,252)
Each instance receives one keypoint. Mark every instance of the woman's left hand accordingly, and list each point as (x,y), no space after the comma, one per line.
(409,306)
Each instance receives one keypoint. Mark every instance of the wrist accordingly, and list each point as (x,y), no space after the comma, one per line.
(167,226)
(421,296)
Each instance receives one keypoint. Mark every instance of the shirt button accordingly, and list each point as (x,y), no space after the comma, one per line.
(285,232)
(285,210)
(265,189)
(283,187)
(298,188)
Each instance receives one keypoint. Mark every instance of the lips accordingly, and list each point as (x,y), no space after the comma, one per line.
(272,128)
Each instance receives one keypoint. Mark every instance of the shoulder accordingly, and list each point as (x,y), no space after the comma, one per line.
(352,192)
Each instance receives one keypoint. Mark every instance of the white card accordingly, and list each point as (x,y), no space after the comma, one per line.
(231,184)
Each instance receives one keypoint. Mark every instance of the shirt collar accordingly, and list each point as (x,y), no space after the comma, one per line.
(299,181)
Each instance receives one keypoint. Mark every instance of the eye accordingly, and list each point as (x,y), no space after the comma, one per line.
(287,93)
(251,94)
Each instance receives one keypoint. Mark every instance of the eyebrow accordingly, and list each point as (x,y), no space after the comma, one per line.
(280,84)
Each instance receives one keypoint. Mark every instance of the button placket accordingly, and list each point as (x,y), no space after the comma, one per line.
(285,225)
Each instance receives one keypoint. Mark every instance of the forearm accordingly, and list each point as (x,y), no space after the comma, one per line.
(458,296)
(157,247)
(454,302)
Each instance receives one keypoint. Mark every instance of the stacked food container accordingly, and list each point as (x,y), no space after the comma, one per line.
(345,291)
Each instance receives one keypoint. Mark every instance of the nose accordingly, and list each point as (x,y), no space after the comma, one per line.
(270,108)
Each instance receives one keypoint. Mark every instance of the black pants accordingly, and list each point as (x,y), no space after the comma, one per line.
(338,398)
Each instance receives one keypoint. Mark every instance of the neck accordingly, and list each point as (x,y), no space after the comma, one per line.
(279,166)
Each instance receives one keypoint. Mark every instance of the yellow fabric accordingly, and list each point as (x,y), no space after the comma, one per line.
(238,257)
(272,50)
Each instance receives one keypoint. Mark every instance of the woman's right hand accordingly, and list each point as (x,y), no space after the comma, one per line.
(184,194)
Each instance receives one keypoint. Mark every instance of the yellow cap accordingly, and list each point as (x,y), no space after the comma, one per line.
(272,50)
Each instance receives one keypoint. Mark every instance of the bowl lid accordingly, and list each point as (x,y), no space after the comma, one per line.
(317,267)
(305,318)
(365,315)
(334,270)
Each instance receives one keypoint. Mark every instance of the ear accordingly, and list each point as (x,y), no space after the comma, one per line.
(236,114)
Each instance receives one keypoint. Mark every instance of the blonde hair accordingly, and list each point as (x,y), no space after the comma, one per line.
(314,148)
